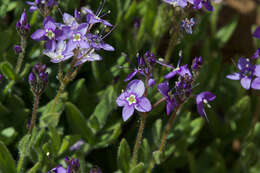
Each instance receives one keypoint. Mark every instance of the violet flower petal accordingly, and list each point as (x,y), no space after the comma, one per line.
(143,105)
(234,76)
(137,87)
(246,82)
(127,112)
(256,84)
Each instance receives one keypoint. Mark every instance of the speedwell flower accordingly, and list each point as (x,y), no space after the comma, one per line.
(187,25)
(246,74)
(132,98)
(50,33)
(204,98)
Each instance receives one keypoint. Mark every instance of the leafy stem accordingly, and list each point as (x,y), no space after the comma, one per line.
(21,55)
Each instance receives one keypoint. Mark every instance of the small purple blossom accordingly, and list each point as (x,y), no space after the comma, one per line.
(59,54)
(197,4)
(92,18)
(132,98)
(204,98)
(17,49)
(187,25)
(247,73)
(72,166)
(181,71)
(197,63)
(50,33)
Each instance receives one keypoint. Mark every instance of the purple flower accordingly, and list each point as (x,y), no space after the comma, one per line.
(97,43)
(197,63)
(197,4)
(181,71)
(59,54)
(77,38)
(164,89)
(181,3)
(246,73)
(50,33)
(72,166)
(17,49)
(132,98)
(187,25)
(257,33)
(86,55)
(58,169)
(22,25)
(204,98)
(91,18)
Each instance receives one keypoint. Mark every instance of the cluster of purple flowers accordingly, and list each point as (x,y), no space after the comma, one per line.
(43,6)
(72,166)
(73,36)
(22,25)
(249,73)
(133,97)
(197,4)
(38,79)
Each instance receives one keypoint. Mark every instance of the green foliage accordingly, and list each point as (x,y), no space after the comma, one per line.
(7,163)
(124,156)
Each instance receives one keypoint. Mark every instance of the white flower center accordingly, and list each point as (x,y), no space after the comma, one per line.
(131,99)
(60,56)
(247,60)
(49,34)
(206,102)
(77,37)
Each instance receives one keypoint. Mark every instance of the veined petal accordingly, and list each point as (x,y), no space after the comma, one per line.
(256,84)
(257,70)
(50,45)
(143,105)
(234,76)
(38,35)
(59,169)
(137,87)
(107,47)
(127,112)
(121,100)
(246,82)
(163,88)
(49,23)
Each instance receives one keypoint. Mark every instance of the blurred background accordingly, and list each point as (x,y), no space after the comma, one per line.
(230,142)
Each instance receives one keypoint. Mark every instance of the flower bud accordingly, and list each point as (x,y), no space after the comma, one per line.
(22,25)
(17,49)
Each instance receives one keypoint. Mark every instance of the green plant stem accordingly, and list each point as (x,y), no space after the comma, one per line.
(170,48)
(21,55)
(138,139)
(64,81)
(34,113)
(20,164)
(164,138)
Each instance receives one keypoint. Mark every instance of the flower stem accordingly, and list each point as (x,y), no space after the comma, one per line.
(20,164)
(164,138)
(138,139)
(62,87)
(34,113)
(21,55)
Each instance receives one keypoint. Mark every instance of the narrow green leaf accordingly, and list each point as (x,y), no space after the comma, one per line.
(123,156)
(157,155)
(35,168)
(224,34)
(78,123)
(138,168)
(7,163)
(23,145)
(7,69)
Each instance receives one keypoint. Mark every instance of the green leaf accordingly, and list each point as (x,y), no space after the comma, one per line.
(35,168)
(7,69)
(157,128)
(157,155)
(224,34)
(123,156)
(49,120)
(25,71)
(78,123)
(8,135)
(7,163)
(24,145)
(138,168)
(67,142)
(145,150)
